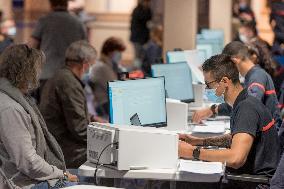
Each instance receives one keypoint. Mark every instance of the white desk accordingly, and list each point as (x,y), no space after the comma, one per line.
(88,170)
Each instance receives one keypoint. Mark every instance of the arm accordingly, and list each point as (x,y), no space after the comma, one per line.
(18,143)
(256,87)
(223,141)
(74,109)
(222,109)
(235,157)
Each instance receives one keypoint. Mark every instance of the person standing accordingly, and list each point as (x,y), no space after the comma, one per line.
(53,34)
(140,33)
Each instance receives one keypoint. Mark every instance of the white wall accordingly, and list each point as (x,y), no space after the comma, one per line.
(113,19)
(110,6)
(220,17)
(180,24)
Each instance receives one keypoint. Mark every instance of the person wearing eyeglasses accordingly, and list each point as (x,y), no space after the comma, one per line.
(30,155)
(258,83)
(248,149)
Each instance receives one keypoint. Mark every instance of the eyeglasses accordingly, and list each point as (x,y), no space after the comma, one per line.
(208,83)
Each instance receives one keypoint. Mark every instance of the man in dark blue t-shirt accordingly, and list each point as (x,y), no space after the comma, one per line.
(253,145)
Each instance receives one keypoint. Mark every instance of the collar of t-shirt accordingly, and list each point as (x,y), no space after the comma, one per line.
(251,72)
(242,96)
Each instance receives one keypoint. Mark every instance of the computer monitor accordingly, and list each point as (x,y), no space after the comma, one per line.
(213,34)
(175,56)
(178,80)
(202,56)
(142,98)
(207,48)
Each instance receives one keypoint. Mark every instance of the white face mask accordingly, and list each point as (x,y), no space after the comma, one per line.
(243,38)
(12,31)
(242,78)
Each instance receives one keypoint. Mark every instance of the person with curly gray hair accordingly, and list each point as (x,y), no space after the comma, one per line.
(30,155)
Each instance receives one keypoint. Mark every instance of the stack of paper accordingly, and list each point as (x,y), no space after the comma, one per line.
(201,171)
(225,124)
(201,167)
(210,129)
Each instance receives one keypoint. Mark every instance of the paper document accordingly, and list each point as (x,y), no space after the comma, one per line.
(209,129)
(225,124)
(201,167)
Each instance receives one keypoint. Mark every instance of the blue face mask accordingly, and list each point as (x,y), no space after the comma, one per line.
(212,97)
(116,57)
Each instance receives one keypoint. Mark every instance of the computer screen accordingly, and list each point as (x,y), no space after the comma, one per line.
(178,80)
(217,46)
(144,97)
(207,48)
(213,34)
(175,56)
(202,56)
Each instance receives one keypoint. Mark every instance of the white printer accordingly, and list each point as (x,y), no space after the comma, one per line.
(132,147)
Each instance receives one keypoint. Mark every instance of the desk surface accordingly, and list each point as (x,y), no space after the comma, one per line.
(88,169)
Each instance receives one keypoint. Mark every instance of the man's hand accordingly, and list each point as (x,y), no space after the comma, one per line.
(98,119)
(191,139)
(72,178)
(185,150)
(201,114)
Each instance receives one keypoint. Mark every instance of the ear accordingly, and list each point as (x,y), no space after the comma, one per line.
(235,60)
(226,81)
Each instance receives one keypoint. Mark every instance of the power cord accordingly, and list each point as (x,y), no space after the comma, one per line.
(98,160)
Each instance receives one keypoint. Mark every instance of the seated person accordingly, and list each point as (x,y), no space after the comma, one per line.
(258,83)
(105,70)
(253,145)
(152,50)
(30,155)
(64,107)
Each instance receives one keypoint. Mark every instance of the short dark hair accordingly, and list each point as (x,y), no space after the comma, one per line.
(59,3)
(250,25)
(112,44)
(221,66)
(237,49)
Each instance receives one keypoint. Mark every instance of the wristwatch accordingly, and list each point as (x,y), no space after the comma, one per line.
(65,176)
(196,153)
(213,109)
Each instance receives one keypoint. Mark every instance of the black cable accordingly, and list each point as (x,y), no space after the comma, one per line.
(98,160)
